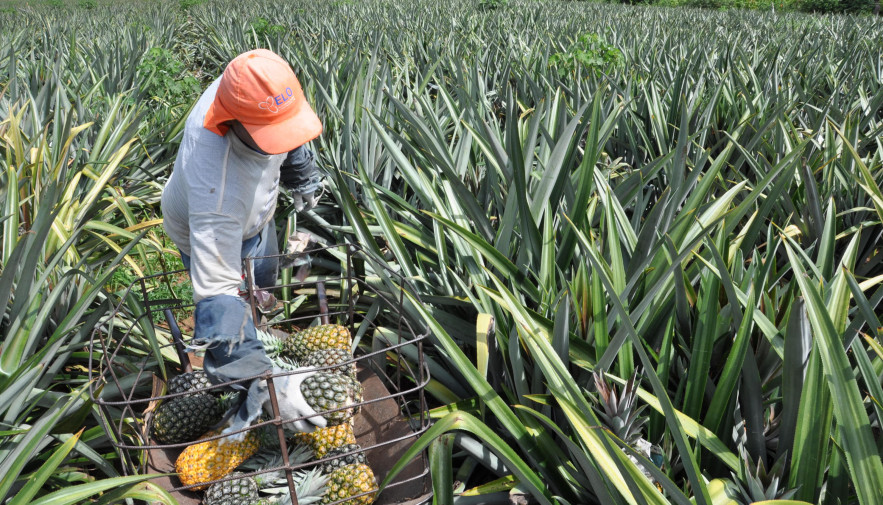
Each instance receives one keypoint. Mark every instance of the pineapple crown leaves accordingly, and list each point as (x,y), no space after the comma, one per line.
(269,457)
(759,484)
(618,412)
(272,344)
(309,483)
(310,486)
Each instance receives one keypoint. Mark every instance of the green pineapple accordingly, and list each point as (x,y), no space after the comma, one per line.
(618,412)
(189,381)
(328,391)
(329,357)
(232,492)
(327,336)
(755,482)
(185,418)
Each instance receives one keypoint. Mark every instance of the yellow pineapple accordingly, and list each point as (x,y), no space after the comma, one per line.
(214,459)
(327,336)
(323,440)
(349,481)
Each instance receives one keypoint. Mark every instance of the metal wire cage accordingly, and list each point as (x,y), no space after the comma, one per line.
(132,349)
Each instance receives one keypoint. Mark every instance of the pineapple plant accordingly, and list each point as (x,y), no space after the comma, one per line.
(350,483)
(214,459)
(757,483)
(329,391)
(300,345)
(323,440)
(620,415)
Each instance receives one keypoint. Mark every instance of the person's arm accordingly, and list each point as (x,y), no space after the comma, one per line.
(300,175)
(223,324)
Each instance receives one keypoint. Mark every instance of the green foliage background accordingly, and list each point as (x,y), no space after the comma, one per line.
(571,187)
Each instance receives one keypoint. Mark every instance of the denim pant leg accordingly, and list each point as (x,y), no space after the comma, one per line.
(266,270)
(224,328)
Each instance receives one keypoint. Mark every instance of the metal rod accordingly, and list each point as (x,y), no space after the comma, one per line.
(323,301)
(283,446)
(350,297)
(249,283)
(186,366)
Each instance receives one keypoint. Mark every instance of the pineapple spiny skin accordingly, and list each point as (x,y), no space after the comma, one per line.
(188,382)
(327,336)
(241,490)
(211,460)
(328,357)
(323,440)
(328,391)
(340,460)
(349,481)
(185,418)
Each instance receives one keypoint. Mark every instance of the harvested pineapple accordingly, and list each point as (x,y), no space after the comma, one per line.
(327,336)
(323,440)
(185,418)
(189,381)
(350,481)
(341,458)
(329,391)
(241,490)
(269,487)
(329,357)
(212,459)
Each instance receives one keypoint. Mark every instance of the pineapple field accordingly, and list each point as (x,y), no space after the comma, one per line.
(645,243)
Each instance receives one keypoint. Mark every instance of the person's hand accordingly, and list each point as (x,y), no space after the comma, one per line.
(306,201)
(300,175)
(292,403)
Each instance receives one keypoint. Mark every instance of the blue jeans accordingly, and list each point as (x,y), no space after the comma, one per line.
(224,327)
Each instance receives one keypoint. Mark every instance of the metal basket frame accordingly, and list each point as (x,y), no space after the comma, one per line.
(109,339)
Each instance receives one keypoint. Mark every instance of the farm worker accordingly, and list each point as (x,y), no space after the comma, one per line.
(244,137)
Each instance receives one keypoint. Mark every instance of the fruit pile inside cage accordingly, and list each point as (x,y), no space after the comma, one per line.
(333,391)
(364,374)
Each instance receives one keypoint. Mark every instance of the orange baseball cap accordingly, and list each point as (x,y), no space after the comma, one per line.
(259,89)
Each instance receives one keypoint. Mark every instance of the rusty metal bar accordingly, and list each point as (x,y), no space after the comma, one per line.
(249,287)
(179,341)
(323,301)
(350,297)
(283,446)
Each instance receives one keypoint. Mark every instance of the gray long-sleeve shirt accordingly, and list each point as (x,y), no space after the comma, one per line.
(220,193)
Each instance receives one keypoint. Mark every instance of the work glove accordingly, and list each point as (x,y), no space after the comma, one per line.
(300,175)
(292,403)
